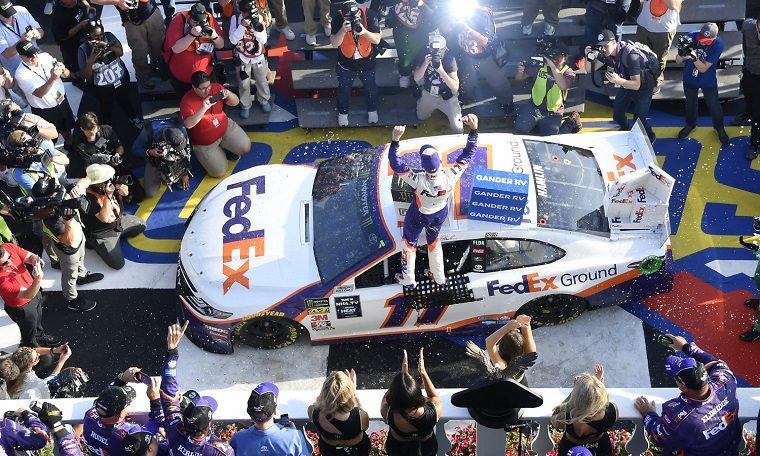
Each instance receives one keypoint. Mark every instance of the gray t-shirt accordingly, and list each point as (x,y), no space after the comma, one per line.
(751,46)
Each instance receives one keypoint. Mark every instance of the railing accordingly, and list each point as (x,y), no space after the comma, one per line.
(490,442)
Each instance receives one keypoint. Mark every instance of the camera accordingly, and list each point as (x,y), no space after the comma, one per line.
(132,4)
(348,10)
(126,179)
(68,384)
(435,54)
(173,163)
(11,120)
(596,53)
(251,12)
(205,26)
(101,47)
(685,45)
(105,159)
(41,207)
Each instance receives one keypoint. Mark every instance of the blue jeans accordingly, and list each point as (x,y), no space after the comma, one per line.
(345,81)
(600,15)
(640,101)
(710,95)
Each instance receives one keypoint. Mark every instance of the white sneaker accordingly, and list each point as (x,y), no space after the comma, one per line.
(403,82)
(405,281)
(289,34)
(48,8)
(311,40)
(7,176)
(549,30)
(527,29)
(328,31)
(342,120)
(372,117)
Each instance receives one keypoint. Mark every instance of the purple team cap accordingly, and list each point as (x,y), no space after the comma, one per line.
(675,364)
(263,402)
(578,451)
(431,161)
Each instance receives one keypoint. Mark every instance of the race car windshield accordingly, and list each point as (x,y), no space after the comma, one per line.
(569,188)
(348,231)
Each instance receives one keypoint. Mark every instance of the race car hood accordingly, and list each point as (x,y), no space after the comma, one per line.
(248,234)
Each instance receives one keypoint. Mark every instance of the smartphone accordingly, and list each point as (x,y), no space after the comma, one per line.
(142,377)
(285,419)
(216,97)
(29,28)
(664,340)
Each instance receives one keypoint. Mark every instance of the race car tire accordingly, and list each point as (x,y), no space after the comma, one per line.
(553,310)
(268,332)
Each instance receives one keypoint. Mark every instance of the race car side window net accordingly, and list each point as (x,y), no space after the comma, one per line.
(491,255)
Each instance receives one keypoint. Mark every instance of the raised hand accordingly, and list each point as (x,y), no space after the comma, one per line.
(405,364)
(174,334)
(421,365)
(599,372)
(398,132)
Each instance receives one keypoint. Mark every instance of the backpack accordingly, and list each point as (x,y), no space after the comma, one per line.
(650,62)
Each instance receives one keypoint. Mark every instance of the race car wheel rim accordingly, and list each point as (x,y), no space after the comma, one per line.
(553,310)
(267,332)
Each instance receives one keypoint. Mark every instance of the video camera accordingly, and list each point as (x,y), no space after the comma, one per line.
(12,120)
(66,384)
(348,10)
(24,156)
(173,163)
(685,45)
(36,208)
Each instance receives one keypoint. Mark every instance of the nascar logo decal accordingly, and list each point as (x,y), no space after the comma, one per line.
(237,233)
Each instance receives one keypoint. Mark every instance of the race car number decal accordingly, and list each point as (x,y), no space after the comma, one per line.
(237,233)
(399,314)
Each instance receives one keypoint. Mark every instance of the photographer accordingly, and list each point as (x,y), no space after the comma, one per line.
(215,137)
(700,54)
(25,432)
(630,66)
(105,425)
(145,34)
(164,145)
(105,222)
(13,118)
(39,77)
(188,431)
(189,47)
(99,144)
(750,81)
(438,84)
(106,74)
(18,25)
(20,291)
(355,32)
(267,436)
(70,22)
(29,385)
(249,36)
(411,21)
(546,106)
(478,42)
(22,144)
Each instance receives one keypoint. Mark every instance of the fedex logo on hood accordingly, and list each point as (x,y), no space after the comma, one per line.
(237,235)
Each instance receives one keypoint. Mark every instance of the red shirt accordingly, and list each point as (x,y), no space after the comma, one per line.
(187,62)
(14,276)
(212,125)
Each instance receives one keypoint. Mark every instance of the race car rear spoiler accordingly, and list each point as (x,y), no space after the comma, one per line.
(637,202)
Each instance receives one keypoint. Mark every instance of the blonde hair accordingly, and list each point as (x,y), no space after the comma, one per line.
(588,398)
(338,395)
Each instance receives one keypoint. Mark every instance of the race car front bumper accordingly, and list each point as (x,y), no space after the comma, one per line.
(208,327)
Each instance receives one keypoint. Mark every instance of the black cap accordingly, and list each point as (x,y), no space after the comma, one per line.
(263,402)
(45,186)
(605,37)
(198,414)
(6,8)
(26,48)
(113,400)
(174,137)
(197,12)
(137,443)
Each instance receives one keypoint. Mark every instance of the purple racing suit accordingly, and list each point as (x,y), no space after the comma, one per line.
(31,435)
(700,428)
(66,443)
(430,207)
(180,443)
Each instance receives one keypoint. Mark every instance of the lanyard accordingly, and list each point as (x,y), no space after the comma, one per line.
(42,76)
(17,27)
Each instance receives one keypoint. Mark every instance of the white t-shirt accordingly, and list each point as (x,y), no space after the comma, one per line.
(667,22)
(11,34)
(30,78)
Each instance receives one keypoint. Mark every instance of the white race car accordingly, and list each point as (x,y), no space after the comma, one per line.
(278,249)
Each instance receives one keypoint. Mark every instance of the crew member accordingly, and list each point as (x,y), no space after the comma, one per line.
(105,425)
(433,188)
(704,418)
(699,73)
(27,435)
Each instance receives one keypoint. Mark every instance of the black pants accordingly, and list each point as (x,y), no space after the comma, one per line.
(29,320)
(640,101)
(712,101)
(106,96)
(751,87)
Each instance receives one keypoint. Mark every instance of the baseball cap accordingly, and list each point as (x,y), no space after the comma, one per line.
(708,33)
(436,38)
(136,443)
(691,373)
(198,414)
(197,12)
(26,48)
(113,400)
(605,37)
(263,402)
(174,137)
(431,161)
(578,451)
(6,8)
